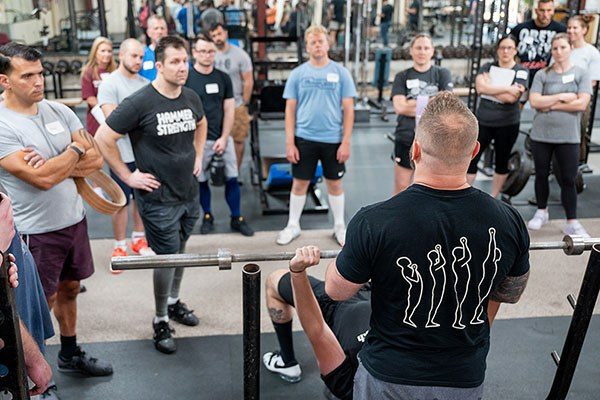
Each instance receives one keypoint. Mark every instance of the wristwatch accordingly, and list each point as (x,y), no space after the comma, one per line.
(77,150)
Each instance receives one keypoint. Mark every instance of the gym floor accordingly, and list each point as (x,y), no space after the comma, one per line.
(115,313)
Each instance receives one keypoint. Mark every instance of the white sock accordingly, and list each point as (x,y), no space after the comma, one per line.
(171,301)
(296,207)
(137,235)
(121,243)
(158,319)
(337,208)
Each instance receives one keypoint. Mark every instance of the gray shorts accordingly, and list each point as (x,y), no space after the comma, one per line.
(229,157)
(367,387)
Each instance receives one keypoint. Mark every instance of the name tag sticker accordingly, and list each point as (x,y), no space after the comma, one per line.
(335,78)
(104,75)
(212,88)
(148,64)
(54,128)
(568,78)
(522,74)
(412,83)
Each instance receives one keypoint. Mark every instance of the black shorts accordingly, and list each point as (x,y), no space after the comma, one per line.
(126,189)
(326,304)
(401,154)
(311,153)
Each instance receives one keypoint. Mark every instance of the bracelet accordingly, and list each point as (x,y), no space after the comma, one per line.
(292,271)
(77,150)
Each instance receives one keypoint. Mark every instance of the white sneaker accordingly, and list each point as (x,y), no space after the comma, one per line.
(274,363)
(339,233)
(540,218)
(288,234)
(575,228)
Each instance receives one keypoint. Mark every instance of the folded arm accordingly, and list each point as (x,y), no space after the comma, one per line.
(404,106)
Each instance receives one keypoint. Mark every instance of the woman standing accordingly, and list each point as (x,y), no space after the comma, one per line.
(101,62)
(560,94)
(422,80)
(499,113)
(586,56)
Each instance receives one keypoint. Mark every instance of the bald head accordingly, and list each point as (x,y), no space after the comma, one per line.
(131,54)
(447,132)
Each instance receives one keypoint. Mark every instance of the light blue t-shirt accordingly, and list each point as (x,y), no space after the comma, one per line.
(148,70)
(319,93)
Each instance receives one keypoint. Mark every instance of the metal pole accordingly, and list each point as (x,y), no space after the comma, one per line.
(130,19)
(251,330)
(571,245)
(14,378)
(588,294)
(347,42)
(357,35)
(74,43)
(102,18)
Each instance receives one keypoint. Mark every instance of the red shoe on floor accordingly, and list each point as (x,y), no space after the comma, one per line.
(118,252)
(140,247)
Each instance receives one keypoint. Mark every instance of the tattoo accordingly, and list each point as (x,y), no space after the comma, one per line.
(87,138)
(510,289)
(276,315)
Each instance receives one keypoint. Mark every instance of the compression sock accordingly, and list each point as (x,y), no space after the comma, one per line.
(286,342)
(205,197)
(233,196)
(296,207)
(337,208)
(135,235)
(120,243)
(68,346)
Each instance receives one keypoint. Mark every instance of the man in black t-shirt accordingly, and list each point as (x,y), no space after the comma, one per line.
(167,128)
(336,330)
(534,38)
(387,11)
(335,12)
(441,257)
(413,15)
(216,92)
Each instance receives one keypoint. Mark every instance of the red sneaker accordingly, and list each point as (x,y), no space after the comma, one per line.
(118,252)
(141,248)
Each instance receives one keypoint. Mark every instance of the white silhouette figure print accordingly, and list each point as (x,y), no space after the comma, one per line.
(438,274)
(412,276)
(462,275)
(485,284)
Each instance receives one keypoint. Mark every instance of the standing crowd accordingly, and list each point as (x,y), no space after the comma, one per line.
(398,314)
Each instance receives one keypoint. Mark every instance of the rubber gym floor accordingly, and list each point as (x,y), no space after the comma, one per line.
(115,313)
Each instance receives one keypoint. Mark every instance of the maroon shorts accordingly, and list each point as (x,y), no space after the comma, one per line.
(63,255)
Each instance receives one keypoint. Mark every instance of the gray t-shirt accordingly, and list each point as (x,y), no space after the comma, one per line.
(235,62)
(559,126)
(588,58)
(49,133)
(113,90)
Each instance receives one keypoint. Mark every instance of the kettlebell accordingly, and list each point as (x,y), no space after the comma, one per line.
(217,170)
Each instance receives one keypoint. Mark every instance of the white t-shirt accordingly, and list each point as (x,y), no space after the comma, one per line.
(588,58)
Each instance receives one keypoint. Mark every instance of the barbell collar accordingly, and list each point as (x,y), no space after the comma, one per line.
(224,259)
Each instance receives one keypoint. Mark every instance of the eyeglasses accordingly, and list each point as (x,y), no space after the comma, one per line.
(206,51)
(506,48)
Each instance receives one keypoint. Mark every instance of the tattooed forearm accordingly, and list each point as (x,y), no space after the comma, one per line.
(277,315)
(85,138)
(510,289)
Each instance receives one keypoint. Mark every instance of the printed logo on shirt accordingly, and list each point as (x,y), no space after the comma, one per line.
(361,338)
(317,83)
(420,88)
(534,47)
(456,277)
(173,122)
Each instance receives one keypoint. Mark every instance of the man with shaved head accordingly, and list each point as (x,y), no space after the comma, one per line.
(157,29)
(441,256)
(122,83)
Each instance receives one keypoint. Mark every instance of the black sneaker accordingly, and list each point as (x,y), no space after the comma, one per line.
(240,225)
(81,363)
(179,312)
(207,224)
(162,338)
(51,393)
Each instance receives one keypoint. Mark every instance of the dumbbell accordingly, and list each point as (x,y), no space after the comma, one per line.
(48,68)
(461,51)
(448,51)
(76,67)
(62,67)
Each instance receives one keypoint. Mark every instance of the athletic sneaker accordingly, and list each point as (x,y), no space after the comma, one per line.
(51,393)
(240,225)
(339,233)
(575,228)
(540,218)
(117,252)
(81,363)
(179,312)
(274,363)
(208,224)
(288,234)
(163,341)
(140,247)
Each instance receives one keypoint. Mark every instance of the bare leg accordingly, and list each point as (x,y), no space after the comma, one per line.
(279,311)
(402,178)
(138,225)
(497,183)
(239,153)
(334,187)
(300,186)
(64,303)
(119,223)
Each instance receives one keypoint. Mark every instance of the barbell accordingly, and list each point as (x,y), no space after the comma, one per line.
(571,244)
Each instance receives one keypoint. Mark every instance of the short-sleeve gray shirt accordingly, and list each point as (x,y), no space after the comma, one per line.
(113,90)
(49,133)
(588,58)
(559,126)
(235,62)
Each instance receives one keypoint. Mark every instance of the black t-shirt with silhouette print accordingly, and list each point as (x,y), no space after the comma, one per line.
(432,257)
(162,137)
